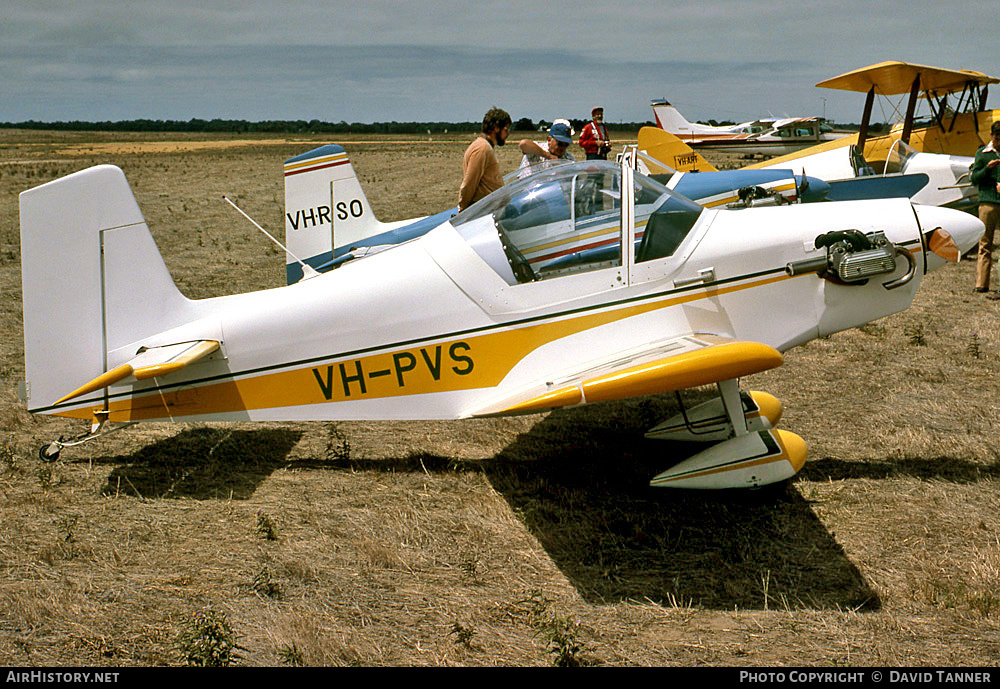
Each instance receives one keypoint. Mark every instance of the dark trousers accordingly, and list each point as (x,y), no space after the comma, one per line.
(597,156)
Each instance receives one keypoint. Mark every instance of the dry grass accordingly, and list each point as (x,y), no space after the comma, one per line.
(521,541)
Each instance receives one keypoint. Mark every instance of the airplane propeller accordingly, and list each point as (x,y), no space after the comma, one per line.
(800,190)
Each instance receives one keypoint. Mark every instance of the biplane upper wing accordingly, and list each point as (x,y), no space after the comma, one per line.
(151,362)
(673,364)
(895,77)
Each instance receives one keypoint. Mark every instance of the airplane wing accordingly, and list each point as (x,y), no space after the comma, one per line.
(794,121)
(672,364)
(895,77)
(151,362)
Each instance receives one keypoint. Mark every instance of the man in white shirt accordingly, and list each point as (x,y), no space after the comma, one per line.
(554,148)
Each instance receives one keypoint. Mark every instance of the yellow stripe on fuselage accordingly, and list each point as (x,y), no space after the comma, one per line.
(804,153)
(462,363)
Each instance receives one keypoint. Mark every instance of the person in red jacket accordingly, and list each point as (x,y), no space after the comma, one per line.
(594,137)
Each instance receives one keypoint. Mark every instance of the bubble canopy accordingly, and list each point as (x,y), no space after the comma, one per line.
(567,219)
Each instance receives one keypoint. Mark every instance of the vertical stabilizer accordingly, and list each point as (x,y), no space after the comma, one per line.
(667,148)
(92,280)
(325,208)
(669,119)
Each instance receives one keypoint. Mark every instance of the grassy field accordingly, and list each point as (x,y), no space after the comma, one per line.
(527,541)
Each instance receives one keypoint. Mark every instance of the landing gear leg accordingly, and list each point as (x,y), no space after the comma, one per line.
(729,390)
(100,427)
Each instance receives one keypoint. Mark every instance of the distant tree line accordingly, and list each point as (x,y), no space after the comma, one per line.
(293,126)
(245,126)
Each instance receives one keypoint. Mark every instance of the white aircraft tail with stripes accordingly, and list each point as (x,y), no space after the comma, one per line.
(669,119)
(328,218)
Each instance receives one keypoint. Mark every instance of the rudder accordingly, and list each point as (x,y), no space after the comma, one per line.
(92,279)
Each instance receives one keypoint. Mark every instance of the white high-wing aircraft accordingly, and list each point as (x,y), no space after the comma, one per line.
(460,322)
(769,136)
(669,119)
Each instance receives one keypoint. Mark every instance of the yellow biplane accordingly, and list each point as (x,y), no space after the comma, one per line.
(958,122)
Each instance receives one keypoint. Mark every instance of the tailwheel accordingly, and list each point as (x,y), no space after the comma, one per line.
(99,428)
(50,451)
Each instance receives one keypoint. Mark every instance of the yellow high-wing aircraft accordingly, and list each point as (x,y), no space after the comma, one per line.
(477,317)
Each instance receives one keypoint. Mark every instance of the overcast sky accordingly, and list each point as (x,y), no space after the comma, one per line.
(452,60)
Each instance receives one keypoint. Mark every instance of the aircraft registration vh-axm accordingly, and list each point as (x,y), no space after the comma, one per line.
(473,318)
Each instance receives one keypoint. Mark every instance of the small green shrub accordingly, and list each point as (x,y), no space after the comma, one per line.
(208,640)
(266,527)
(291,655)
(561,633)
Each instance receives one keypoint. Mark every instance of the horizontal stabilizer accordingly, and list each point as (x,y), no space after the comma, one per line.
(154,362)
(675,364)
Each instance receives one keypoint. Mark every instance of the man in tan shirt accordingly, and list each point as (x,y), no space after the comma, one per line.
(480,167)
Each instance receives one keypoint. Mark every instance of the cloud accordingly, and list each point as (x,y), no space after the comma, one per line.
(450,60)
(355,83)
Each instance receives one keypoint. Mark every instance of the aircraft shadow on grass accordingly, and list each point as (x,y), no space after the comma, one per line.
(590,506)
(578,479)
(201,463)
(942,468)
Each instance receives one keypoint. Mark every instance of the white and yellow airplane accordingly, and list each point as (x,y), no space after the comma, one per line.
(957,121)
(863,165)
(460,322)
(768,136)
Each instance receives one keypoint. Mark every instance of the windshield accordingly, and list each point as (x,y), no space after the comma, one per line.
(899,155)
(568,220)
